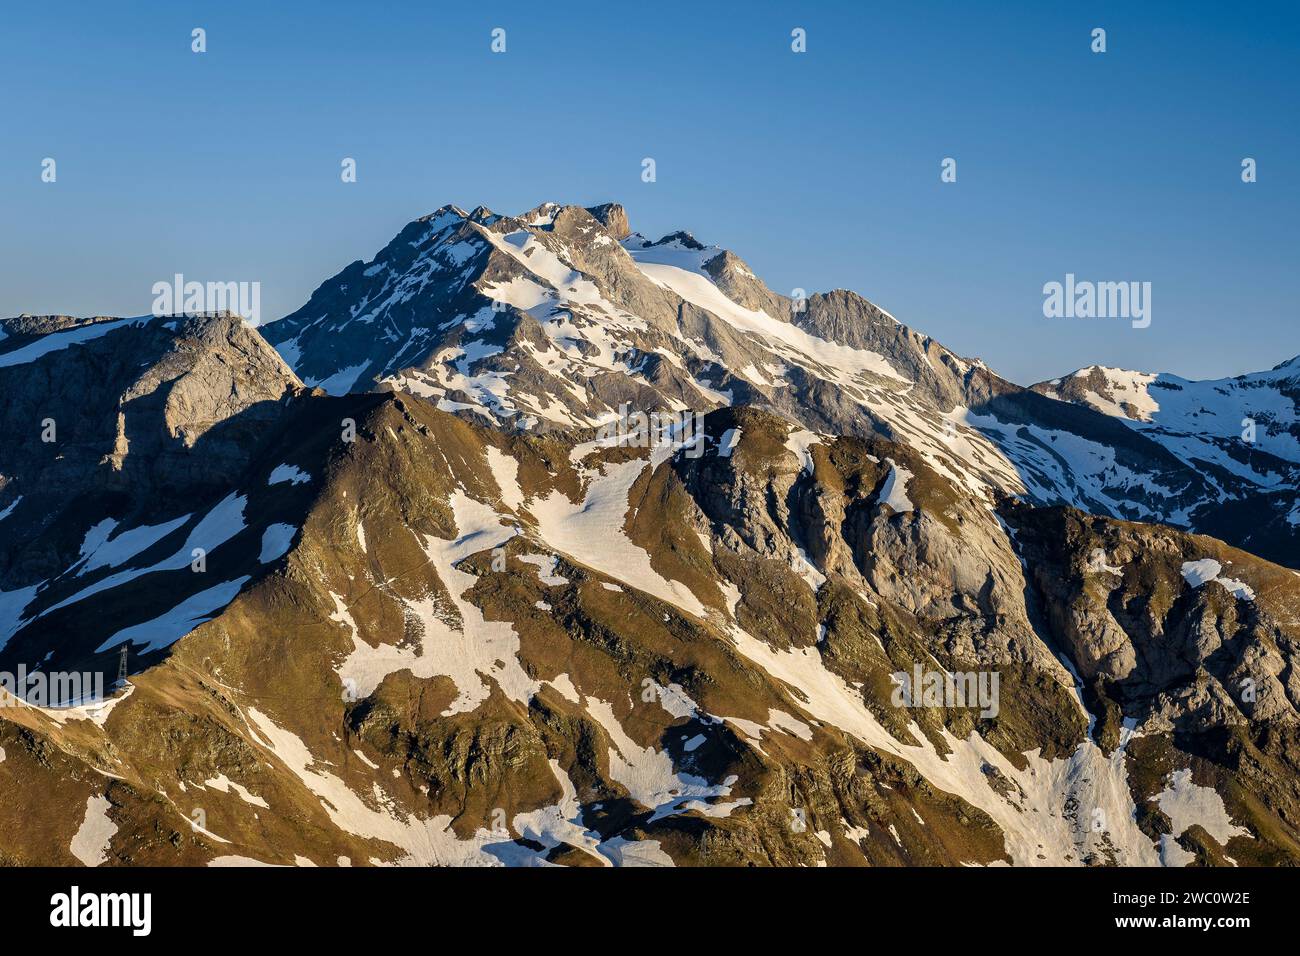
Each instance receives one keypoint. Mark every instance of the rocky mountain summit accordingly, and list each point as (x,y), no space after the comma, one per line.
(554,319)
(444,568)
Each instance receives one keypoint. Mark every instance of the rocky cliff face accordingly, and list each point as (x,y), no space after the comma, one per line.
(845,618)
(124,444)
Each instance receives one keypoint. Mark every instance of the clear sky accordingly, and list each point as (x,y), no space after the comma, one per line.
(820,169)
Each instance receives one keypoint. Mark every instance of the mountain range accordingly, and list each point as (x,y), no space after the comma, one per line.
(404,577)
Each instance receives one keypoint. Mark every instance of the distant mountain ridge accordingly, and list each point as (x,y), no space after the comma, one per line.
(1242,432)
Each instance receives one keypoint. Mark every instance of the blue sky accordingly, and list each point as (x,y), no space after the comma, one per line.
(820,169)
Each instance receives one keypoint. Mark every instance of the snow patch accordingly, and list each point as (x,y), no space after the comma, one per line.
(91,842)
(1205,570)
(470,654)
(171,626)
(894,490)
(289,473)
(727,443)
(592,533)
(223,784)
(275,541)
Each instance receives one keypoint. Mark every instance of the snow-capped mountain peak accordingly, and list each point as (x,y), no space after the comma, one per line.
(561,316)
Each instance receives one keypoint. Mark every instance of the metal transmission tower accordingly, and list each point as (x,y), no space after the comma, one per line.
(121,666)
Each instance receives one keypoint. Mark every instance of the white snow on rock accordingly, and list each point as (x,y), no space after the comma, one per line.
(1202,572)
(471,653)
(1098,563)
(234,860)
(624,852)
(545,564)
(1205,412)
(219,525)
(1056,465)
(224,784)
(1126,388)
(561,823)
(365,760)
(289,473)
(650,777)
(275,541)
(57,341)
(776,720)
(91,842)
(894,490)
(592,533)
(1187,804)
(505,472)
(674,252)
(672,698)
(1202,422)
(564,684)
(341,382)
(1039,817)
(800,441)
(431,841)
(171,626)
(727,443)
(103,549)
(13,604)
(788,342)
(427,842)
(803,566)
(97,712)
(194,825)
(780,720)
